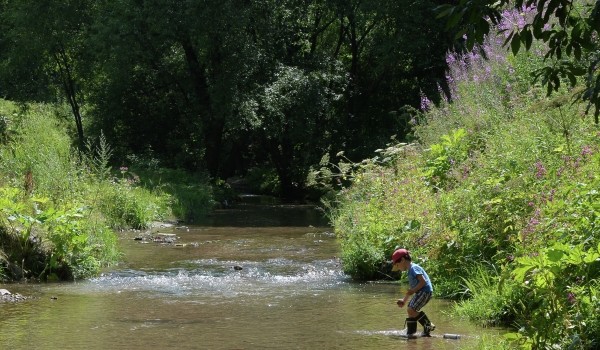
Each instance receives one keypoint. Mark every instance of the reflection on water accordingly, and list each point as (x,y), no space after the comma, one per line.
(289,294)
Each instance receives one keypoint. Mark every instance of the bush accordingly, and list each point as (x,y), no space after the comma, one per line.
(385,208)
(489,299)
(43,242)
(189,196)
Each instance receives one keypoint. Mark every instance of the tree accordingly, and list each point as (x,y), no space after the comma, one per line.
(570,29)
(392,51)
(223,86)
(42,44)
(289,100)
(170,74)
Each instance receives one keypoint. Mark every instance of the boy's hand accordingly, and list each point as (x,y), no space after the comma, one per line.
(400,302)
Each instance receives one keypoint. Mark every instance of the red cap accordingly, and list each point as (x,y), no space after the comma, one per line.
(399,254)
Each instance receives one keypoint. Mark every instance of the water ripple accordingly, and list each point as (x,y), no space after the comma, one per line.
(220,279)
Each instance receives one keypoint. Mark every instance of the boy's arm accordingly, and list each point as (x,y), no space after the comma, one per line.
(412,291)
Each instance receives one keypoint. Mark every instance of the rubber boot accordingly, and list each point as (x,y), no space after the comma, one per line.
(428,327)
(411,327)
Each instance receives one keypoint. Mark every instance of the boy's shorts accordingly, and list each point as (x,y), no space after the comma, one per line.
(419,300)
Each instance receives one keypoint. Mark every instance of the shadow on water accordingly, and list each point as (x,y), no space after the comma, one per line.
(254,276)
(265,211)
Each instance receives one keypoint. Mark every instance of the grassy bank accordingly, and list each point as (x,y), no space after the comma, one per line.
(60,207)
(497,195)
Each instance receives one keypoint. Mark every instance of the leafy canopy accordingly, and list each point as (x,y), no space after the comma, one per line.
(569,28)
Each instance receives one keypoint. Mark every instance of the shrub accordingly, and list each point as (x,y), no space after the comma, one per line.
(385,207)
(188,197)
(44,242)
(125,204)
(59,205)
(489,299)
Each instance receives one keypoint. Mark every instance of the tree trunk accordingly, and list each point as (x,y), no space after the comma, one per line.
(70,91)
(281,153)
(212,125)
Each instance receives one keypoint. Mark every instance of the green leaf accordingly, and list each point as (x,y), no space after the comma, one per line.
(528,39)
(454,19)
(577,51)
(552,5)
(555,255)
(508,39)
(443,11)
(515,44)
(572,79)
(521,272)
(591,257)
(512,336)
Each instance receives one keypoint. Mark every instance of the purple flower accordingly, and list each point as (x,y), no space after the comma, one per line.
(533,222)
(425,103)
(451,58)
(540,170)
(586,151)
(571,298)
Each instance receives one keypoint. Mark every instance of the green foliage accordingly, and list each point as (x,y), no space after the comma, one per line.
(226,86)
(19,238)
(97,158)
(361,259)
(569,28)
(522,198)
(58,209)
(192,202)
(561,282)
(180,194)
(441,157)
(489,300)
(263,180)
(77,245)
(127,206)
(49,243)
(384,208)
(42,148)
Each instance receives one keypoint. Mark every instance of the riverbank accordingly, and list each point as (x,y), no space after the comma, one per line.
(497,199)
(60,208)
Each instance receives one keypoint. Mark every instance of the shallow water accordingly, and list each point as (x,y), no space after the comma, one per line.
(289,294)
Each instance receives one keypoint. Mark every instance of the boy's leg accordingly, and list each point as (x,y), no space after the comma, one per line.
(415,305)
(428,327)
(411,326)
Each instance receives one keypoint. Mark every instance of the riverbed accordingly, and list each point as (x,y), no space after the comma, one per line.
(257,275)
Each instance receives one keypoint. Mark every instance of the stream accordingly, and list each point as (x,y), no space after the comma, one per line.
(258,275)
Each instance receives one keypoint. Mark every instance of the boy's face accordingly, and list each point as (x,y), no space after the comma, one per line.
(401,265)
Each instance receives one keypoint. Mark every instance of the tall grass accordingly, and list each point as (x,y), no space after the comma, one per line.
(60,206)
(191,196)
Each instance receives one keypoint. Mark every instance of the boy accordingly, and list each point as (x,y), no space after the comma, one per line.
(420,287)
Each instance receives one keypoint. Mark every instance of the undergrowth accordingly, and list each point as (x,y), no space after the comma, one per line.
(497,198)
(61,206)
